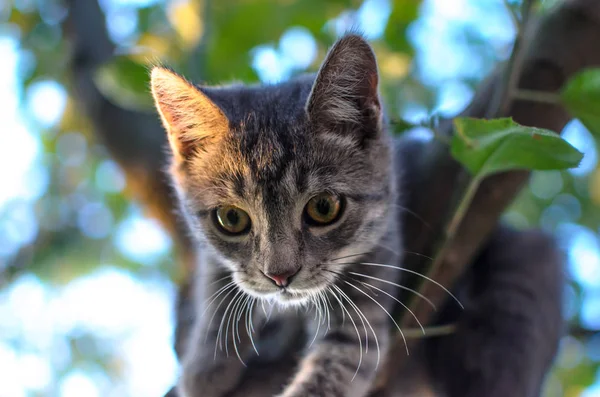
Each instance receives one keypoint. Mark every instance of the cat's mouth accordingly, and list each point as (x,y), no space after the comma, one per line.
(299,292)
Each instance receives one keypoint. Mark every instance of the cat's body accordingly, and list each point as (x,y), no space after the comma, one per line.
(292,194)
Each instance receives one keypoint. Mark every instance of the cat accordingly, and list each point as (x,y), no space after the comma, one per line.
(291,193)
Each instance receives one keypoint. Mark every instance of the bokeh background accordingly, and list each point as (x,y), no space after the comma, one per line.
(88,280)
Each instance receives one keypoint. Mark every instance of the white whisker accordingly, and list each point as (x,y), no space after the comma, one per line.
(360,313)
(215,295)
(397,300)
(355,328)
(396,285)
(235,327)
(417,274)
(215,312)
(329,306)
(317,312)
(382,308)
(249,326)
(218,341)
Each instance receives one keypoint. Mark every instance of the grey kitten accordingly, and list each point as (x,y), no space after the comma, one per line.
(291,193)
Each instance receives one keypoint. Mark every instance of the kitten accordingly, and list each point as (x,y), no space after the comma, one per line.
(290,191)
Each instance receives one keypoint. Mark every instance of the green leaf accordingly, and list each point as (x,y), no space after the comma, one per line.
(125,82)
(489,146)
(581,97)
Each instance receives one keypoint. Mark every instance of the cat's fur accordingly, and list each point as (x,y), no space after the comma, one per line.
(268,150)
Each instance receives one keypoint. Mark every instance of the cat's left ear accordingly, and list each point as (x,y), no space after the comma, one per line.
(344,96)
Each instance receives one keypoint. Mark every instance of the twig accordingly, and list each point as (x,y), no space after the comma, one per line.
(501,99)
(513,15)
(430,332)
(462,208)
(537,96)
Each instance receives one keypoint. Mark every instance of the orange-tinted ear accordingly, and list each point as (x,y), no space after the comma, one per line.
(189,116)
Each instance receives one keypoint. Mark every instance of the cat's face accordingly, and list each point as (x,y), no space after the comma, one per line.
(286,182)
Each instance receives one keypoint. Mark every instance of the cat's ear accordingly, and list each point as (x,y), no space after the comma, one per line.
(189,116)
(345,91)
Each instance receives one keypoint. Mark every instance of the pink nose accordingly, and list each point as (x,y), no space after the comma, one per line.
(282,279)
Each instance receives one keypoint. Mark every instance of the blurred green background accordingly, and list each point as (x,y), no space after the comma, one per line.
(88,280)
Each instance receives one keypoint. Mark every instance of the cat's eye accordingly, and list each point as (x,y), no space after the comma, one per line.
(232,220)
(323,209)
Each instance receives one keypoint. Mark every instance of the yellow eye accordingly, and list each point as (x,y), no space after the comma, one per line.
(232,220)
(323,209)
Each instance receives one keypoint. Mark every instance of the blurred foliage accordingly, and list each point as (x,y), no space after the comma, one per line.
(81,211)
(581,96)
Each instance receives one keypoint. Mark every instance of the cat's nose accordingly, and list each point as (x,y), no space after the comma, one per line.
(282,279)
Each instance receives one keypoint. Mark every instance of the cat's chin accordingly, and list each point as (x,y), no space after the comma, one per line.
(282,297)
(292,299)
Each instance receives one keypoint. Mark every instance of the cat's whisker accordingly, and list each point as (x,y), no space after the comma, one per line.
(420,295)
(271,311)
(416,274)
(316,306)
(231,322)
(215,312)
(396,299)
(387,247)
(215,295)
(360,313)
(384,247)
(322,308)
(417,254)
(240,313)
(385,282)
(226,343)
(329,306)
(252,314)
(262,303)
(216,281)
(417,216)
(372,331)
(324,303)
(384,309)
(349,256)
(317,312)
(360,317)
(235,328)
(249,327)
(218,342)
(336,288)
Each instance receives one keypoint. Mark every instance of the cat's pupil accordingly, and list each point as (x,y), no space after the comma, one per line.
(232,217)
(323,207)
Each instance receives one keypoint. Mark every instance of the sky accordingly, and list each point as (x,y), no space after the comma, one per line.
(135,316)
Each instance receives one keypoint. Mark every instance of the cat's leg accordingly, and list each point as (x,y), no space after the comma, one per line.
(219,343)
(508,335)
(340,364)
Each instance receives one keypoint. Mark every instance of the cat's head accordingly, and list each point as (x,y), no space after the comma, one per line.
(283,180)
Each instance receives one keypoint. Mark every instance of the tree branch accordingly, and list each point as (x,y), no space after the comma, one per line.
(136,140)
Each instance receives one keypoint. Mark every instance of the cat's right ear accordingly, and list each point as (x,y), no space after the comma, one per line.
(191,119)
